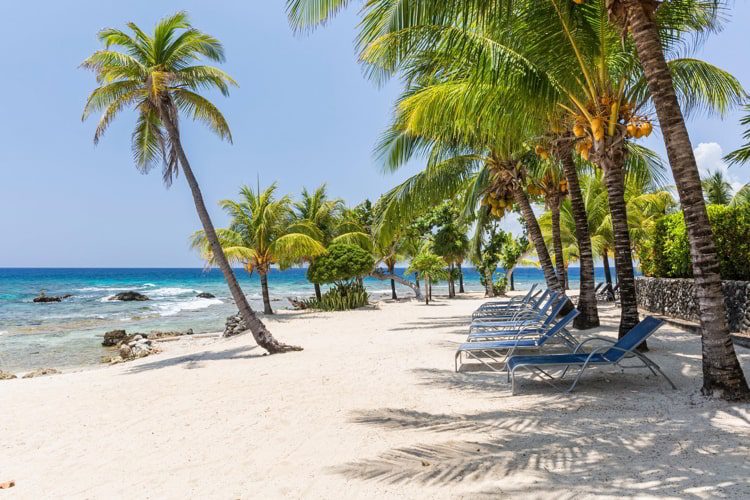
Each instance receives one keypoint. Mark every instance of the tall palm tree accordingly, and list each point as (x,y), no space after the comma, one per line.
(262,232)
(322,214)
(722,374)
(160,76)
(441,24)
(716,188)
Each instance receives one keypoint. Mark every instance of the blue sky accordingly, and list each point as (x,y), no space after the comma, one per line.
(303,115)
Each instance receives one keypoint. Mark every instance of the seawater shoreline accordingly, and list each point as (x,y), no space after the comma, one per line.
(68,334)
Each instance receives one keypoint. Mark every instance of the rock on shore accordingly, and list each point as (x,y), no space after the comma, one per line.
(234,326)
(40,372)
(6,375)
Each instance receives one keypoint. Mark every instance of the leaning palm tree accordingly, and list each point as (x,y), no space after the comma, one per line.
(262,233)
(160,76)
(716,188)
(722,374)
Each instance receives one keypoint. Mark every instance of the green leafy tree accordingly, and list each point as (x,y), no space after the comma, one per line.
(160,76)
(341,263)
(431,268)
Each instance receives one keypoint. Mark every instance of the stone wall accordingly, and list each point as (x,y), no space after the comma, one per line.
(675,297)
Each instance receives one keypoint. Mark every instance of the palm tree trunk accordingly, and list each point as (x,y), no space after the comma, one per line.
(460,279)
(611,161)
(318,295)
(537,238)
(589,314)
(488,288)
(722,374)
(451,283)
(554,203)
(260,333)
(391,268)
(512,280)
(535,232)
(264,291)
(416,279)
(607,271)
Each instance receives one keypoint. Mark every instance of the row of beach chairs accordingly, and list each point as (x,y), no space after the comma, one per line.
(502,333)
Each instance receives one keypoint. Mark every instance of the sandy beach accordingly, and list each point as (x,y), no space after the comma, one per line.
(370,409)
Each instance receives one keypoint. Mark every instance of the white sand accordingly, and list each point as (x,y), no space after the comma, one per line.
(370,409)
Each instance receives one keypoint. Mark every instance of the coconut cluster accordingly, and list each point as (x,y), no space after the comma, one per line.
(589,131)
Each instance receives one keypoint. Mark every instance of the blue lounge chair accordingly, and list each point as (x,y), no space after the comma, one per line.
(533,323)
(534,308)
(611,354)
(507,302)
(521,341)
(509,307)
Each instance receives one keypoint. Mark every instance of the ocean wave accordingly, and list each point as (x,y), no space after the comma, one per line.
(171,292)
(173,308)
(114,288)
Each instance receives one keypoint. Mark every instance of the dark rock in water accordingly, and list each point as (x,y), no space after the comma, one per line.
(44,299)
(114,337)
(6,375)
(206,295)
(189,331)
(130,297)
(41,372)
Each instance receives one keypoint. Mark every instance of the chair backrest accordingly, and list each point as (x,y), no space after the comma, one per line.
(634,337)
(559,325)
(536,302)
(551,297)
(598,287)
(561,301)
(617,287)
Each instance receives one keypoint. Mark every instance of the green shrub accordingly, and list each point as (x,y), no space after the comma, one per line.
(668,254)
(341,297)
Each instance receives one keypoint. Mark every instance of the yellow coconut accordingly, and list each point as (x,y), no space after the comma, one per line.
(646,129)
(632,129)
(579,130)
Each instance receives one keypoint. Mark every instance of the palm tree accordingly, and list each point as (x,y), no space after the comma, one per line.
(547,180)
(262,233)
(722,374)
(454,24)
(159,75)
(322,215)
(716,188)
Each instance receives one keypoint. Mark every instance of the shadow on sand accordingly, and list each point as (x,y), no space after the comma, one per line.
(195,360)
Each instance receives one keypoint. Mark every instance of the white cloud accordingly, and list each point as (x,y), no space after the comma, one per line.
(710,157)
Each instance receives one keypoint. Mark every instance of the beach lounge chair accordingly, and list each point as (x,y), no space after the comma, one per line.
(510,303)
(611,354)
(493,350)
(537,320)
(534,305)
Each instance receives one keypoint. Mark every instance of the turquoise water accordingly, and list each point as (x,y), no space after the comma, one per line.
(68,333)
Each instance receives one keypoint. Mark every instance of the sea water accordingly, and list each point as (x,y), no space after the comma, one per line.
(69,333)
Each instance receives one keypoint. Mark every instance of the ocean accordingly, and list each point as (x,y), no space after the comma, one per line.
(68,334)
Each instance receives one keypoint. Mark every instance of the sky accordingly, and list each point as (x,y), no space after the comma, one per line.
(303,115)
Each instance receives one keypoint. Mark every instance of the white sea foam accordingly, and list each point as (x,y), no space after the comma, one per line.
(172,308)
(171,292)
(114,288)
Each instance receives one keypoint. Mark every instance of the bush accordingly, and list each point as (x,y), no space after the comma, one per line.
(341,263)
(341,297)
(668,254)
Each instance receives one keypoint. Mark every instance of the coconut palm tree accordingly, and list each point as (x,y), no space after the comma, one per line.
(722,374)
(560,31)
(321,215)
(160,76)
(716,189)
(547,180)
(262,233)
